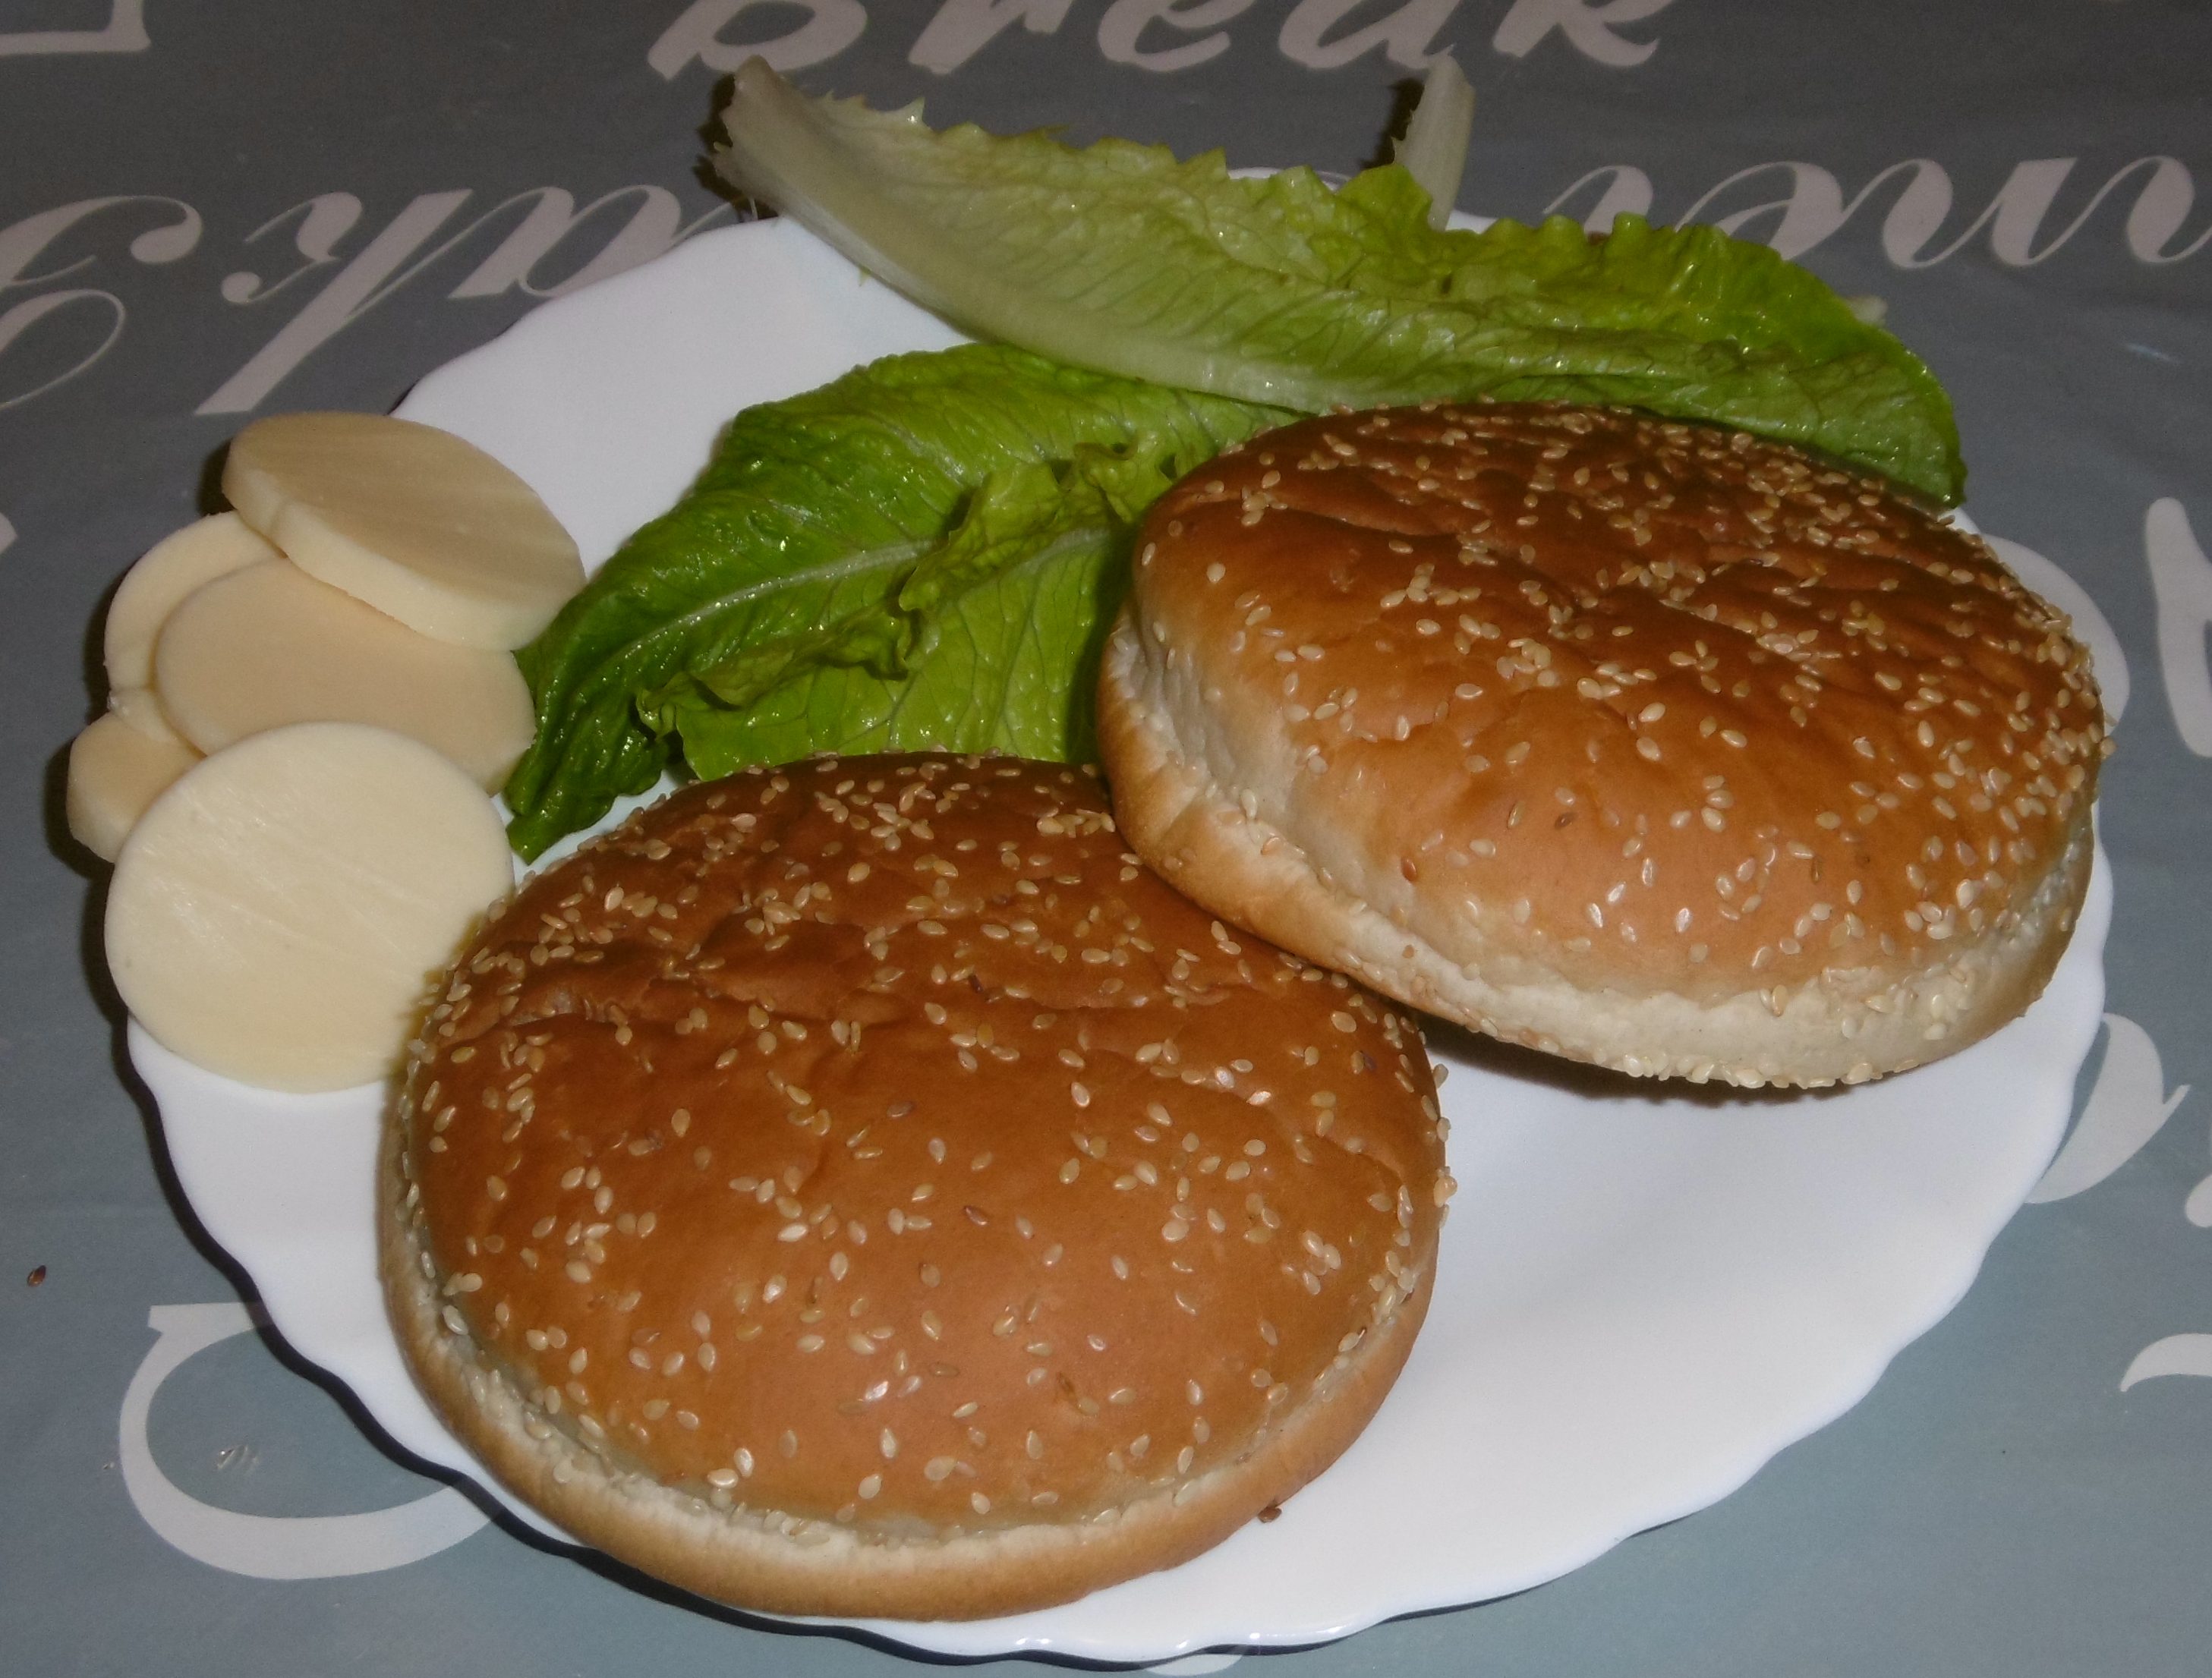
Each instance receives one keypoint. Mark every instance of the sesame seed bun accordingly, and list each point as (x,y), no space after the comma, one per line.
(863,1189)
(1644,743)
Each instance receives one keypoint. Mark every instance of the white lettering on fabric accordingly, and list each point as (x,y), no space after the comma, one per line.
(123,32)
(2127,1106)
(16,323)
(656,225)
(2181,579)
(961,28)
(397,255)
(2176,1354)
(1589,26)
(2015,216)
(1406,35)
(1810,211)
(324,220)
(23,243)
(831,25)
(357,288)
(1813,208)
(264,1546)
(2160,209)
(1125,20)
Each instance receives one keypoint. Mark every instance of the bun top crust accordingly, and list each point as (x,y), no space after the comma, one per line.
(1645,706)
(878,1142)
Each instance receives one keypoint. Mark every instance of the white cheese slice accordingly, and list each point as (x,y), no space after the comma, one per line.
(424,527)
(140,707)
(270,645)
(170,569)
(116,769)
(279,915)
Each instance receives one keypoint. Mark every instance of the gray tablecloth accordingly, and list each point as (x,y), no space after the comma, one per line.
(209,212)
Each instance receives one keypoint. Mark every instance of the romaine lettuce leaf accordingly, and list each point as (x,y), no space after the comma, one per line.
(1279,290)
(924,552)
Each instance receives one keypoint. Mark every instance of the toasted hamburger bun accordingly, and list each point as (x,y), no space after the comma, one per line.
(1641,742)
(863,1189)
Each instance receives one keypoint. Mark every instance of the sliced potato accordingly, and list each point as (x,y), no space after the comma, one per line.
(170,569)
(270,645)
(424,527)
(116,769)
(278,914)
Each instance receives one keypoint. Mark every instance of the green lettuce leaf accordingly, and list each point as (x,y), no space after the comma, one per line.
(925,552)
(1279,290)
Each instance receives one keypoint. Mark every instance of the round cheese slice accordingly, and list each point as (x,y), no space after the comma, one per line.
(270,645)
(278,915)
(422,526)
(140,707)
(117,767)
(170,569)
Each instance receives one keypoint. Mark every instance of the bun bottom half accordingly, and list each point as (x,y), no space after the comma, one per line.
(769,1561)
(1220,847)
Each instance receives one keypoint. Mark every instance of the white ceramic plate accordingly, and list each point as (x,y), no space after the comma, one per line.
(1641,1297)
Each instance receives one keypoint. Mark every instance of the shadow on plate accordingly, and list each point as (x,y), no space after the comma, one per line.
(1598,1083)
